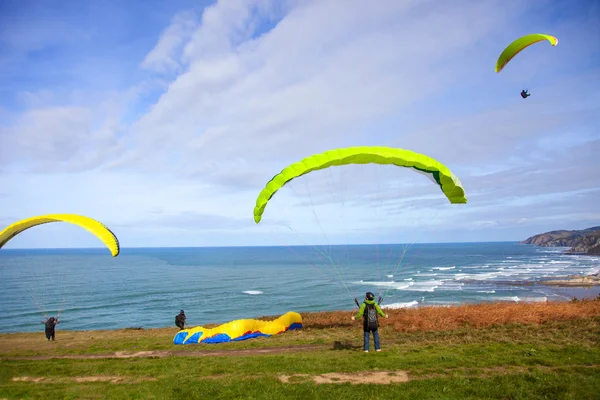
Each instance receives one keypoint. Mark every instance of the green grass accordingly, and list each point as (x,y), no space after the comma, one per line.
(556,360)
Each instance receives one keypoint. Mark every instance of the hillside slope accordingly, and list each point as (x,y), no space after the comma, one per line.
(580,241)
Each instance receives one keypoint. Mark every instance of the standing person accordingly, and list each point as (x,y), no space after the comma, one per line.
(50,325)
(180,320)
(369,310)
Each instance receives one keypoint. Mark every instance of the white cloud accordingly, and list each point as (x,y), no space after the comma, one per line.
(306,76)
(57,138)
(164,57)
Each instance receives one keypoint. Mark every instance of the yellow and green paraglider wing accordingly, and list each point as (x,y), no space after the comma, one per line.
(449,184)
(95,227)
(518,45)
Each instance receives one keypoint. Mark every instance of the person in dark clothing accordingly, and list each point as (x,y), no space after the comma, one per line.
(369,310)
(50,326)
(524,94)
(180,320)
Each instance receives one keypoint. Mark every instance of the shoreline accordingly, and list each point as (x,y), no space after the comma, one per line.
(560,281)
(572,280)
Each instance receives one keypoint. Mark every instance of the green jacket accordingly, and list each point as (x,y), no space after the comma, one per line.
(361,311)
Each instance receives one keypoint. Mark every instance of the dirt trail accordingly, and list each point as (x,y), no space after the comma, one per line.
(389,377)
(355,378)
(83,379)
(377,377)
(178,353)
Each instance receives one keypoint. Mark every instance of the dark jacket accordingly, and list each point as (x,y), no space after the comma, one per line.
(51,324)
(180,320)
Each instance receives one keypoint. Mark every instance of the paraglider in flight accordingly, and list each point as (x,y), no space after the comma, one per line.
(436,171)
(524,94)
(102,232)
(520,44)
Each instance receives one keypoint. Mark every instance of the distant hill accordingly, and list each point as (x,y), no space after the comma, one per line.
(581,241)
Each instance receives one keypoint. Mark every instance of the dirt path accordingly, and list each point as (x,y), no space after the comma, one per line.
(83,379)
(388,377)
(355,378)
(377,377)
(178,353)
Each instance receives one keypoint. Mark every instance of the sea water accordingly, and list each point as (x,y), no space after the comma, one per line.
(146,287)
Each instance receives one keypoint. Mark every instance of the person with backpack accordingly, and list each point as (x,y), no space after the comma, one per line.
(180,320)
(50,325)
(369,310)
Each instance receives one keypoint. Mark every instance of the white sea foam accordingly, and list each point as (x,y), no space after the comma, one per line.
(253,292)
(393,306)
(476,267)
(443,268)
(452,285)
(424,286)
(535,299)
(417,286)
(393,285)
(480,277)
(516,299)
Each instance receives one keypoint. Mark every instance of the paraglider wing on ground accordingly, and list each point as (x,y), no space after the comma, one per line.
(240,329)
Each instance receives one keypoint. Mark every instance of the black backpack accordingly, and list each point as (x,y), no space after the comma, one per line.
(370,315)
(50,324)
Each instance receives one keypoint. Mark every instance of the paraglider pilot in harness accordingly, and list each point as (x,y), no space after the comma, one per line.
(524,94)
(50,325)
(180,320)
(369,310)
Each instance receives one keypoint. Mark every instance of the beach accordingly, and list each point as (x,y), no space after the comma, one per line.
(574,281)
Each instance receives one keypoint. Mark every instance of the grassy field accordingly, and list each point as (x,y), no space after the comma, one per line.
(495,351)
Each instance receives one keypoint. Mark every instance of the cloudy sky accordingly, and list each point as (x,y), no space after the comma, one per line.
(164,120)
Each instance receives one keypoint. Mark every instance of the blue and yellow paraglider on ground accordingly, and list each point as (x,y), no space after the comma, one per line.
(240,329)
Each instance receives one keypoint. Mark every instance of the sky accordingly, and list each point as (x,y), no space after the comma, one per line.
(164,120)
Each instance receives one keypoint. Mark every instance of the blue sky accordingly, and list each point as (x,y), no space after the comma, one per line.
(164,120)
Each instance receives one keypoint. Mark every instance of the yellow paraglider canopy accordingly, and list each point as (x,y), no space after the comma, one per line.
(95,227)
(520,44)
(443,177)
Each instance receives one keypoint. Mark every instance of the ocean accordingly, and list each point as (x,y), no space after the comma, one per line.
(146,287)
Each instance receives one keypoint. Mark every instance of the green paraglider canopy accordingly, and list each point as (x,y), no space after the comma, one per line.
(520,44)
(439,173)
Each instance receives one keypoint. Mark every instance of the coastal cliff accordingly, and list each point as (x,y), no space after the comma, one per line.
(585,241)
